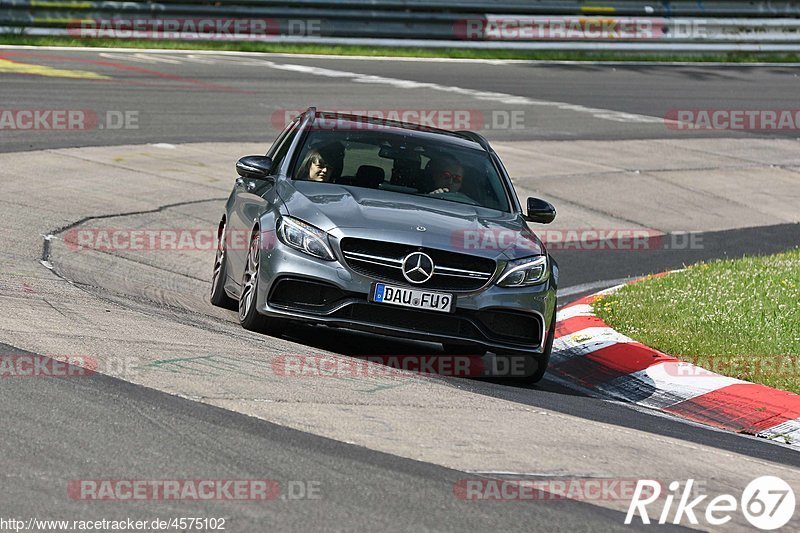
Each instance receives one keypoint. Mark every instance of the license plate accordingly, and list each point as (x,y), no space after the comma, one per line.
(403,296)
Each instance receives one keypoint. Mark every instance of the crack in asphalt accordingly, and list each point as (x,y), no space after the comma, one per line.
(62,229)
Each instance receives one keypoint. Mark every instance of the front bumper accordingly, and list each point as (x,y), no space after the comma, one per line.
(293,285)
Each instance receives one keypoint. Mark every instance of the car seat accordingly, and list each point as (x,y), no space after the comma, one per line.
(369,176)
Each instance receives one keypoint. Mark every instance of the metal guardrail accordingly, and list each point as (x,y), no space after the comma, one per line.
(663,8)
(512,24)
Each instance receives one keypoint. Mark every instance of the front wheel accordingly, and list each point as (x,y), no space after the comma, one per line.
(249,317)
(218,295)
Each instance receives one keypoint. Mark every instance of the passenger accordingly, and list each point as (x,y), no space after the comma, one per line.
(323,164)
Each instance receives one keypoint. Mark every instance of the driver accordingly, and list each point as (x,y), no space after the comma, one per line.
(446,174)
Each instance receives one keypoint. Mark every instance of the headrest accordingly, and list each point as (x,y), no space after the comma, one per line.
(369,176)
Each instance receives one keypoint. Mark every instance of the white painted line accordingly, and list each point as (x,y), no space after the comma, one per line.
(676,375)
(594,334)
(355,77)
(591,286)
(502,98)
(609,290)
(410,59)
(573,311)
(605,397)
(786,433)
(414,59)
(586,341)
(670,383)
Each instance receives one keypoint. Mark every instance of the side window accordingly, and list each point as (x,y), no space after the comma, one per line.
(279,140)
(281,146)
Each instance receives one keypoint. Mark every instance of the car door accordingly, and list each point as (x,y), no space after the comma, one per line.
(251,199)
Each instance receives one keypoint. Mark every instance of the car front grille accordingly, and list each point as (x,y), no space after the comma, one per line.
(383,260)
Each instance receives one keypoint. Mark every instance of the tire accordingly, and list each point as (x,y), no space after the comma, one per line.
(218,295)
(249,317)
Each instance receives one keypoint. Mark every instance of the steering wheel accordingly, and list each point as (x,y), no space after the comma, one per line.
(457,197)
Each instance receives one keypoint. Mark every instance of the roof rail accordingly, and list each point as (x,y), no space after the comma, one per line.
(477,137)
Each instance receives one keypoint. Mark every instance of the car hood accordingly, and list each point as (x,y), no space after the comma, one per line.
(391,216)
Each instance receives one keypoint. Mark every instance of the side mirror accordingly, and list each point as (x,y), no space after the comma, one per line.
(254,167)
(540,211)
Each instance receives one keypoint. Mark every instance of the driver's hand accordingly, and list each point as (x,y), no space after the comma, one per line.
(440,190)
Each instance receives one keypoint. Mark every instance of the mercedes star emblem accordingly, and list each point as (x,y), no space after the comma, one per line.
(417,267)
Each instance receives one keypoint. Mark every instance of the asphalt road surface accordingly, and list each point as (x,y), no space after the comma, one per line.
(206,97)
(374,464)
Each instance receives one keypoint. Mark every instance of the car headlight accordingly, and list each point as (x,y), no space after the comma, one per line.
(524,272)
(304,237)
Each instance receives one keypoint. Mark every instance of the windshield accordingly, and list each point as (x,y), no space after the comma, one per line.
(402,163)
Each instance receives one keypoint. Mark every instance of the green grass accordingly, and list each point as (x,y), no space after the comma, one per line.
(737,317)
(462,53)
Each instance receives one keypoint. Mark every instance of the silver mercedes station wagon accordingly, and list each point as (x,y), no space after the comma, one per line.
(390,228)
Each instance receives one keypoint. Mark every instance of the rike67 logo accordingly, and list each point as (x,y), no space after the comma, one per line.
(768,503)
